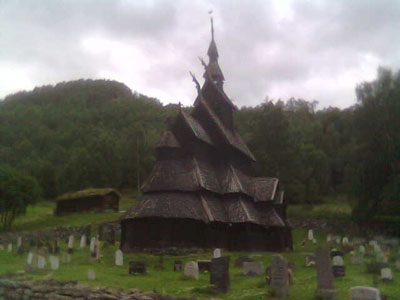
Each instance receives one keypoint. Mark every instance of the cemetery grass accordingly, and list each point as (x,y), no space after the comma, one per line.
(169,282)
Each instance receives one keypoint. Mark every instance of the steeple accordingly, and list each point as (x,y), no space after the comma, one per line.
(213,68)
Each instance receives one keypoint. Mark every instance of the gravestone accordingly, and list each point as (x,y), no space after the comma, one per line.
(19,245)
(335,252)
(66,258)
(386,275)
(41,263)
(119,258)
(217,253)
(137,267)
(178,266)
(381,258)
(191,270)
(54,262)
(345,240)
(364,293)
(71,244)
(219,274)
(358,241)
(97,250)
(361,249)
(9,247)
(56,247)
(204,265)
(92,244)
(239,261)
(29,259)
(338,239)
(338,267)
(280,276)
(253,268)
(325,287)
(314,241)
(310,259)
(82,244)
(310,235)
(377,248)
(91,274)
(329,238)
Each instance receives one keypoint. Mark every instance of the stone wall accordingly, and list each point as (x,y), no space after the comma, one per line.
(17,288)
(328,225)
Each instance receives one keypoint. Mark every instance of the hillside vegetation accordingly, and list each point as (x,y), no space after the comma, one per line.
(93,134)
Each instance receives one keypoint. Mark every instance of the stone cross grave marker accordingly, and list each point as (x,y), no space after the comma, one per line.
(217,253)
(41,263)
(54,262)
(219,274)
(280,276)
(191,270)
(178,266)
(119,258)
(338,267)
(364,293)
(82,244)
(325,278)
(386,275)
(71,244)
(310,235)
(137,267)
(253,268)
(91,274)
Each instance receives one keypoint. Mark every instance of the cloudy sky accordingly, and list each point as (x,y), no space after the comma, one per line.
(315,50)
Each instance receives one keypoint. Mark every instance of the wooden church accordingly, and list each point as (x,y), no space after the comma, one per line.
(201,191)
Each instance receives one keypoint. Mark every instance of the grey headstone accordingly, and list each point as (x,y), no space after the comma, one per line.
(361,250)
(239,261)
(92,244)
(219,274)
(41,263)
(254,268)
(217,253)
(386,275)
(364,293)
(345,240)
(82,244)
(19,242)
(191,270)
(9,247)
(337,261)
(325,279)
(91,274)
(280,276)
(178,266)
(71,244)
(137,267)
(119,258)
(29,259)
(310,235)
(54,262)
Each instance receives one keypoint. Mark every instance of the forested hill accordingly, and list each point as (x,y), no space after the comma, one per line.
(98,134)
(80,134)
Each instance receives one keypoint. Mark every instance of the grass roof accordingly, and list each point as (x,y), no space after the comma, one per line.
(87,193)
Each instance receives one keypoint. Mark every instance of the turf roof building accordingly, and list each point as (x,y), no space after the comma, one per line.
(88,200)
(201,191)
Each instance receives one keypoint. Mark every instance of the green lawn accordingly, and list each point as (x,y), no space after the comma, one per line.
(171,282)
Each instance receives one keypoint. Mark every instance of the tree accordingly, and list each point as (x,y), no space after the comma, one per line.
(17,191)
(377,123)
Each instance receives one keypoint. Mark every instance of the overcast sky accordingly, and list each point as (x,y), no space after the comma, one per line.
(315,50)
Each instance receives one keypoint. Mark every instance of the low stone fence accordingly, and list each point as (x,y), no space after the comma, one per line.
(17,288)
(328,225)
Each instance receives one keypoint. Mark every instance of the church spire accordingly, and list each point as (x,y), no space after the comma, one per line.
(213,67)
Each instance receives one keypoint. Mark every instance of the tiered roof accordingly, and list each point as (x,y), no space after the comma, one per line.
(216,187)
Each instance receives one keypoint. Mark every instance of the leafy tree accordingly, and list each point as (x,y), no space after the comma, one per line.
(17,191)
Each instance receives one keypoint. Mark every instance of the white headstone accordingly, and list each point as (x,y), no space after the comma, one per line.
(83,242)
(54,262)
(71,242)
(386,274)
(217,253)
(91,275)
(361,250)
(253,268)
(119,258)
(41,262)
(9,247)
(337,261)
(191,270)
(29,258)
(92,244)
(364,293)
(310,235)
(345,240)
